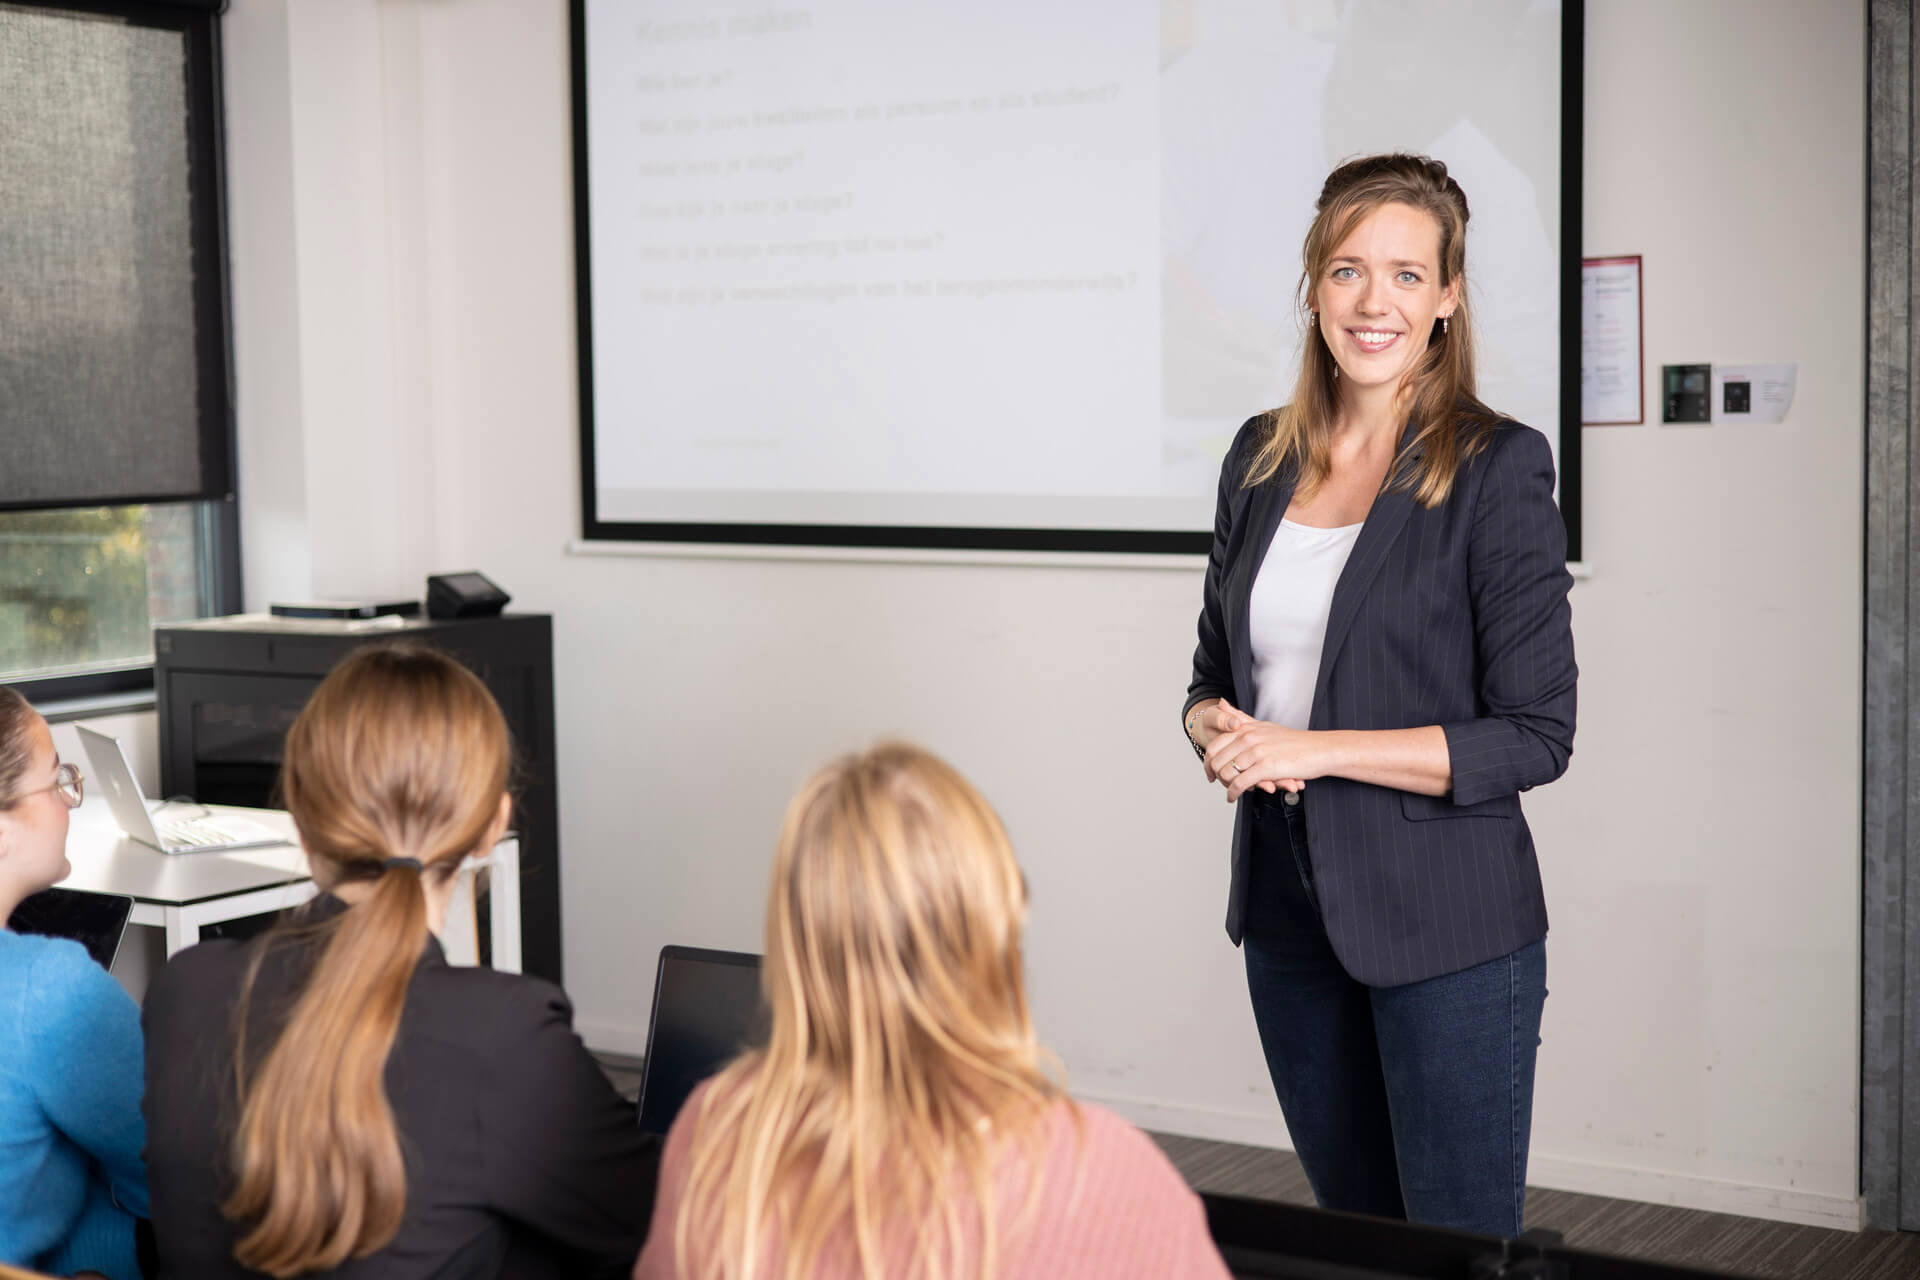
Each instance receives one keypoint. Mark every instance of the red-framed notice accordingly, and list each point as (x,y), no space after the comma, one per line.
(1613,369)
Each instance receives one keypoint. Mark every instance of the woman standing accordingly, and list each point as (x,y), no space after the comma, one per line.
(71,1179)
(1385,663)
(335,1097)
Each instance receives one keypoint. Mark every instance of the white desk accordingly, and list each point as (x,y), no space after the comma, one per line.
(180,892)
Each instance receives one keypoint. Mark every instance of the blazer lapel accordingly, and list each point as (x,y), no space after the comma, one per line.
(1265,505)
(1385,520)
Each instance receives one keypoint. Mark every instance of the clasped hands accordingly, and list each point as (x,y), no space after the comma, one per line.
(1246,753)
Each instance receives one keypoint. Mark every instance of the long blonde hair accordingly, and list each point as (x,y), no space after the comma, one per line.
(901,1058)
(400,753)
(1452,423)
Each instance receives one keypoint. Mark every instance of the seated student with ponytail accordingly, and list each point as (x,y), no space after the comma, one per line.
(333,1098)
(71,1181)
(900,1121)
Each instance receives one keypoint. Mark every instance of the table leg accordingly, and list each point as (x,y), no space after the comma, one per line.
(180,934)
(459,937)
(503,889)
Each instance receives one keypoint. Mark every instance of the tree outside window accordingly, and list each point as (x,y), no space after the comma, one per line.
(81,589)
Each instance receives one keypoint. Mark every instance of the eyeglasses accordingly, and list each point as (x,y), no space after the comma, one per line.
(68,782)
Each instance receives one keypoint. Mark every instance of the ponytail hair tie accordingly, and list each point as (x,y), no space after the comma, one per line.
(391,863)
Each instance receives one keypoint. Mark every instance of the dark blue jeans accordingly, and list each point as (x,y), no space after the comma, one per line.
(1405,1102)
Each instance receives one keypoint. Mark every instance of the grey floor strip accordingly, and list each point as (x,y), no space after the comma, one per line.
(1751,1247)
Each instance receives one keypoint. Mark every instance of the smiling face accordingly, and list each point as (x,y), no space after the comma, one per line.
(1380,294)
(33,832)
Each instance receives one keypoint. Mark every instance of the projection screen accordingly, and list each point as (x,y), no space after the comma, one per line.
(1011,273)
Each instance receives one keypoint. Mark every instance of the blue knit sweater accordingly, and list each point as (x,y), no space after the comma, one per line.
(71,1176)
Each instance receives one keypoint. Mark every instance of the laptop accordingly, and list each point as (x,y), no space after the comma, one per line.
(201,832)
(706,1009)
(97,921)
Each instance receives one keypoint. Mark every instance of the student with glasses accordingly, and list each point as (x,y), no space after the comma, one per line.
(72,1182)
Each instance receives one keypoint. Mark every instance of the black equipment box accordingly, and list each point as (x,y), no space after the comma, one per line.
(228,689)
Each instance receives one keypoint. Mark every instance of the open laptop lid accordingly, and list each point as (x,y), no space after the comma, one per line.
(97,921)
(706,1009)
(114,776)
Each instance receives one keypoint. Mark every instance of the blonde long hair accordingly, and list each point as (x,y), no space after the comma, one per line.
(901,1058)
(1452,423)
(401,752)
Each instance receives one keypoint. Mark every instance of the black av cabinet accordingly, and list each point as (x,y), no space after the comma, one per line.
(229,688)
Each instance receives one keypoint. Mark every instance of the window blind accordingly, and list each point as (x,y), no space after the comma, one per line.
(113,343)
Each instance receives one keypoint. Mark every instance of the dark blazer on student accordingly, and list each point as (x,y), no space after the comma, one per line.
(521,1159)
(1455,616)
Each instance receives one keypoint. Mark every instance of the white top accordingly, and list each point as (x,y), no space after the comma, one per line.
(1292,596)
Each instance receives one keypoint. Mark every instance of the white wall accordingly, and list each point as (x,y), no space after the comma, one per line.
(333,370)
(1703,857)
(402,225)
(139,735)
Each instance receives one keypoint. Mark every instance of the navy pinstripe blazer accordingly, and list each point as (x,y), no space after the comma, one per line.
(1455,616)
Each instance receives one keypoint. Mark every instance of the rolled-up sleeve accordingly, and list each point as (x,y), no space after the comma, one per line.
(1523,629)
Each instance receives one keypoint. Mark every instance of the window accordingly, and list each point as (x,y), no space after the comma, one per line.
(116,435)
(81,588)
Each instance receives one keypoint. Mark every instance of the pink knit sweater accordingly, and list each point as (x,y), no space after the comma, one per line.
(1132,1217)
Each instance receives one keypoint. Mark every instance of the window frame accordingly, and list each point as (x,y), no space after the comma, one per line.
(218,517)
(219,537)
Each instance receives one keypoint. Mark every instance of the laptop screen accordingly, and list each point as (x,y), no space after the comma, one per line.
(94,920)
(706,1009)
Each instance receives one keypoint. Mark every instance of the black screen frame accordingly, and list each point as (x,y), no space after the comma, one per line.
(958,538)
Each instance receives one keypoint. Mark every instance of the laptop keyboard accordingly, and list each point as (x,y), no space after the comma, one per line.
(191,832)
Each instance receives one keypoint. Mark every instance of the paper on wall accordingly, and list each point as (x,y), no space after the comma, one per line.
(1612,379)
(1760,392)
